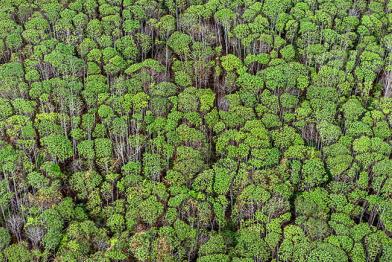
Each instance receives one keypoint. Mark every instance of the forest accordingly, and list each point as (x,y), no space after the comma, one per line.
(196,130)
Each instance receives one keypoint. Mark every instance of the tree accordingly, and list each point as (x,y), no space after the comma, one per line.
(86,149)
(152,166)
(231,63)
(327,252)
(139,245)
(58,147)
(5,238)
(295,246)
(314,173)
(18,252)
(151,210)
(103,147)
(84,183)
(179,43)
(250,245)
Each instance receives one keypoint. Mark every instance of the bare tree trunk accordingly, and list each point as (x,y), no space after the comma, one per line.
(388,84)
(15,224)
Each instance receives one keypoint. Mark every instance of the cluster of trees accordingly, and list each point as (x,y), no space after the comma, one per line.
(195,130)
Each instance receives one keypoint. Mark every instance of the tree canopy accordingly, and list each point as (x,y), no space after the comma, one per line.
(195,130)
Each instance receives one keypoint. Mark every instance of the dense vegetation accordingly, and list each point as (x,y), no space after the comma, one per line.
(195,130)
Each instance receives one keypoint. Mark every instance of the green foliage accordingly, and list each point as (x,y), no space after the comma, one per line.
(103,147)
(84,183)
(250,245)
(192,130)
(151,210)
(313,173)
(231,62)
(327,252)
(179,43)
(86,149)
(18,252)
(58,147)
(5,238)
